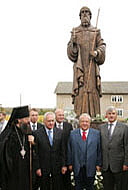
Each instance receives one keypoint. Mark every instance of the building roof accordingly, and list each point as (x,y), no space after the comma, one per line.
(63,88)
(111,87)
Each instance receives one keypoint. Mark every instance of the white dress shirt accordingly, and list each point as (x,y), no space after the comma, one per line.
(31,124)
(112,127)
(3,125)
(59,125)
(81,132)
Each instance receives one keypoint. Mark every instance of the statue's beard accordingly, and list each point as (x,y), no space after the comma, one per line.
(85,21)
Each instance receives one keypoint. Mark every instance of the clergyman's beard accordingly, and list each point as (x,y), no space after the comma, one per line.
(85,21)
(26,129)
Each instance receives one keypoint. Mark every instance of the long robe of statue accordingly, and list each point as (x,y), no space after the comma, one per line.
(86,87)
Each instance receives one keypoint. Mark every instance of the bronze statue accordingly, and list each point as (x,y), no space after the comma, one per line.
(86,49)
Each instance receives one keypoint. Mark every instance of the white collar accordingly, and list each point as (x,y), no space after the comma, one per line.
(113,123)
(33,123)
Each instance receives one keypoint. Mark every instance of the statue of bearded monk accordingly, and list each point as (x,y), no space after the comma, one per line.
(86,49)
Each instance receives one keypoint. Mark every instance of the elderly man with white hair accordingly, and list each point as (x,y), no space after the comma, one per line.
(84,154)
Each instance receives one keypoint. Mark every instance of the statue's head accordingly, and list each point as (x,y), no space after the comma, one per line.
(85,16)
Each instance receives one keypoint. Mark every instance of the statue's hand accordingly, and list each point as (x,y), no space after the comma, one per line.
(74,39)
(74,43)
(93,54)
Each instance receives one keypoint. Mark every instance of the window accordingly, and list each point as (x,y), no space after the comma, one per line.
(117,99)
(120,112)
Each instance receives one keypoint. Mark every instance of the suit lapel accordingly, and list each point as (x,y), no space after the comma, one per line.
(78,138)
(54,135)
(105,131)
(116,129)
(37,126)
(89,137)
(64,126)
(46,136)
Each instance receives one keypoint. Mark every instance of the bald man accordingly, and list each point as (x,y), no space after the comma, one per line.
(66,128)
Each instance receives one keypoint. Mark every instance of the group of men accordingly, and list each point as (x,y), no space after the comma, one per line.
(103,150)
(34,155)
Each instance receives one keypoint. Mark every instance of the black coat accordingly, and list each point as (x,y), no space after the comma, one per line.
(16,170)
(67,127)
(39,125)
(50,158)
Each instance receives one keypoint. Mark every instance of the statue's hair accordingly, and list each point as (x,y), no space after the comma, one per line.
(48,113)
(110,109)
(85,115)
(86,9)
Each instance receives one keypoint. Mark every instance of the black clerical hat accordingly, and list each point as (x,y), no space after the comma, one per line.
(18,113)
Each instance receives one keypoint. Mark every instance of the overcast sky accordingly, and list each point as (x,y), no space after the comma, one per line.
(33,46)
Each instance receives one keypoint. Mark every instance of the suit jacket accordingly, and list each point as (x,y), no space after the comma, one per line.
(67,128)
(39,125)
(115,151)
(93,154)
(50,158)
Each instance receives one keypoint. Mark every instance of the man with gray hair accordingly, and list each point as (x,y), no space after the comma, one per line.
(84,154)
(51,154)
(114,140)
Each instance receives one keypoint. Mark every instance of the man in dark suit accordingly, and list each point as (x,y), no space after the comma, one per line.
(114,140)
(35,125)
(34,119)
(66,128)
(84,153)
(51,154)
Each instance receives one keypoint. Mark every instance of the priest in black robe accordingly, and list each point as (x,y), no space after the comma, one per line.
(15,151)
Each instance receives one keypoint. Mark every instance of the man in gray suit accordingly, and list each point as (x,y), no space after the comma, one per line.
(114,140)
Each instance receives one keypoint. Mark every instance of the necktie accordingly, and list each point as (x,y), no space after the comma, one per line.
(109,131)
(83,135)
(50,137)
(59,126)
(33,127)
